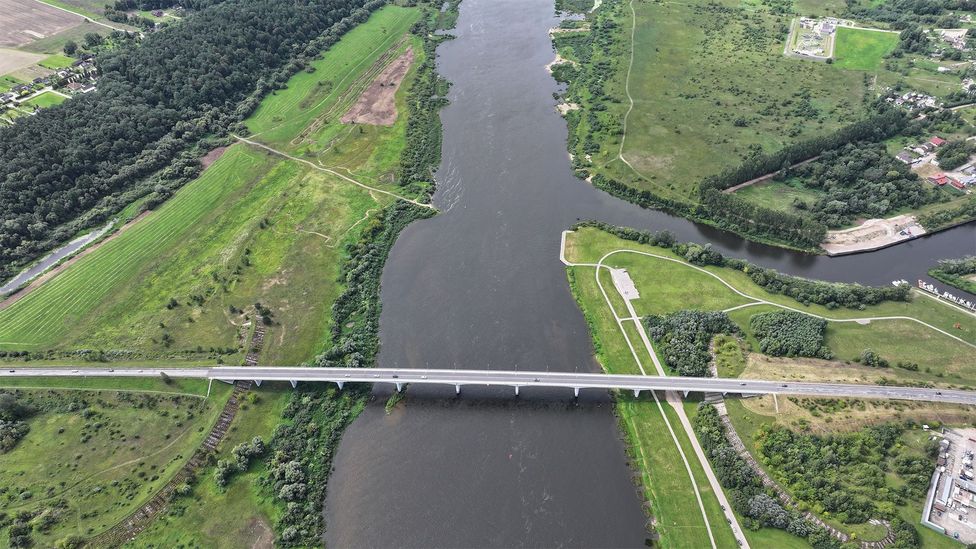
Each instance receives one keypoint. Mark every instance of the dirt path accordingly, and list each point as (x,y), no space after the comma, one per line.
(333,172)
(762,178)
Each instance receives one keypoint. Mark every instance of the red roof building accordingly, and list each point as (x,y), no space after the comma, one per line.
(937,141)
(939,179)
(956,184)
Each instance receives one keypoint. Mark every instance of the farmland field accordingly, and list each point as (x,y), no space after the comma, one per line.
(28,20)
(54,44)
(864,50)
(57,61)
(254,228)
(698,107)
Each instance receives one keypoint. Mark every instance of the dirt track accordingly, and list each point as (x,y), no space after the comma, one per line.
(377,104)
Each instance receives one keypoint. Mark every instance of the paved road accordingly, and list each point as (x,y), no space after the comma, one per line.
(514,379)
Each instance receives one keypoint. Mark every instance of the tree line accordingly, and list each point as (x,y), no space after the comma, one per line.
(154,102)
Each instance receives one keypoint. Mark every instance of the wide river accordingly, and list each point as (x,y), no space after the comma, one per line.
(481,286)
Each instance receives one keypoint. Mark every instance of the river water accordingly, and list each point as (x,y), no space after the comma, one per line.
(481,286)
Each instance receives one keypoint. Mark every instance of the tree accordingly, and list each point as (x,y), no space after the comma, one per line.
(70,47)
(93,39)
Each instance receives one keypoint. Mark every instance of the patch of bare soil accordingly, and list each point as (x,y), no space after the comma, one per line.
(261,533)
(212,157)
(24,21)
(377,104)
(57,270)
(873,234)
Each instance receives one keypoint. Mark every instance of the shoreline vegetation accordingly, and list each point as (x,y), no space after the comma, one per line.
(958,273)
(667,160)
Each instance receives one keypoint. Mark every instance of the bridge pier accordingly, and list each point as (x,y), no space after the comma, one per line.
(636,393)
(340,384)
(457,389)
(399,387)
(576,392)
(257,382)
(686,393)
(293,383)
(516,390)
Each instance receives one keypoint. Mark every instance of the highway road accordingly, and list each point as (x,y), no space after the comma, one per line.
(514,379)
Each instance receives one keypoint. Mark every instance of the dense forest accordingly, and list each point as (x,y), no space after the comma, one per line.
(684,338)
(860,179)
(902,14)
(789,333)
(154,102)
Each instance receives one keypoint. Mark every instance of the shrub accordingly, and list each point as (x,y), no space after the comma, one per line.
(790,333)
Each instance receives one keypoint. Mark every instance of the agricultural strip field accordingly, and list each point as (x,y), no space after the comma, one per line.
(91,457)
(304,119)
(255,228)
(858,49)
(697,106)
(57,61)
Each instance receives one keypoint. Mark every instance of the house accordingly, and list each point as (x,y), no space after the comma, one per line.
(157,13)
(906,156)
(968,180)
(937,141)
(75,86)
(956,183)
(939,179)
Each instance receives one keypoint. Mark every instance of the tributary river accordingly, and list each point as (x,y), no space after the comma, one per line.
(481,286)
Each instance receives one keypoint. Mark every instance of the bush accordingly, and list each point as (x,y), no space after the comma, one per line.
(790,333)
(685,337)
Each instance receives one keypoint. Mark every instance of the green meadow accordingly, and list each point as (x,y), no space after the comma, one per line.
(90,456)
(699,104)
(863,50)
(182,283)
(46,99)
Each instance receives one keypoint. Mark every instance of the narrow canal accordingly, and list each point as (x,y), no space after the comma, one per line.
(480,286)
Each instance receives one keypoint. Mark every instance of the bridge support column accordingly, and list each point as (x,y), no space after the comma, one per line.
(457,389)
(293,383)
(257,382)
(340,384)
(399,387)
(686,393)
(516,390)
(576,392)
(636,393)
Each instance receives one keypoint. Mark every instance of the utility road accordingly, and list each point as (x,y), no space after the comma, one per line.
(514,379)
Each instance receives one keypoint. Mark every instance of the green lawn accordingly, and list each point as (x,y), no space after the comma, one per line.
(90,458)
(46,99)
(7,82)
(779,195)
(862,50)
(57,61)
(658,281)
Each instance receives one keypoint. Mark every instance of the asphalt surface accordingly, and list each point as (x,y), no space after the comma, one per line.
(514,379)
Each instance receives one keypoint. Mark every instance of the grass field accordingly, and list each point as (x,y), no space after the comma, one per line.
(254,228)
(54,43)
(862,50)
(303,119)
(664,477)
(46,99)
(779,195)
(247,514)
(91,457)
(57,61)
(699,105)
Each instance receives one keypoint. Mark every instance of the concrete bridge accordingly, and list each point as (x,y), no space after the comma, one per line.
(514,379)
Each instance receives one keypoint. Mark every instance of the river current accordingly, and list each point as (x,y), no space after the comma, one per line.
(481,286)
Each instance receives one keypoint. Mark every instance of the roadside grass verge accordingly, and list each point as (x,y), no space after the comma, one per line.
(92,457)
(862,50)
(196,387)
